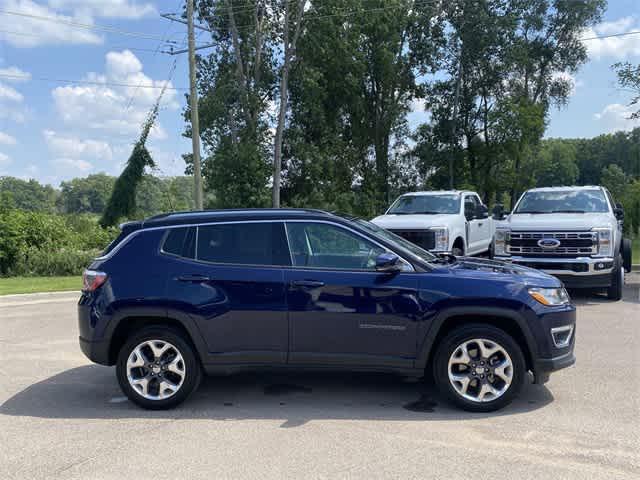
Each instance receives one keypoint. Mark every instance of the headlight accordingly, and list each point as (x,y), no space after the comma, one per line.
(501,239)
(605,242)
(550,296)
(442,238)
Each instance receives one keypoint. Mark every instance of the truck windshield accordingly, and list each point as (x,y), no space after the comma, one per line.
(563,201)
(426,205)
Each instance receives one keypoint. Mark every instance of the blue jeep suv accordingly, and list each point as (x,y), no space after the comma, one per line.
(182,294)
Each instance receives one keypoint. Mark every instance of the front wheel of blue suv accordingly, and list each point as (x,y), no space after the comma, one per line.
(479,367)
(157,368)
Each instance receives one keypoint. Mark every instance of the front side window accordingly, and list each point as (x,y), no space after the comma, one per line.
(563,201)
(243,244)
(321,245)
(426,205)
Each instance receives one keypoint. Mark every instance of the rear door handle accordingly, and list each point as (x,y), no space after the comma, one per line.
(193,278)
(307,283)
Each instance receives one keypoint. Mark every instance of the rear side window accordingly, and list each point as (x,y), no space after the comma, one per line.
(180,242)
(244,244)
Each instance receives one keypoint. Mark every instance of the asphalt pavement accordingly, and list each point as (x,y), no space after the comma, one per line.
(62,417)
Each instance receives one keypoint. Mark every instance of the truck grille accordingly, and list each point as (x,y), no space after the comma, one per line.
(423,238)
(569,244)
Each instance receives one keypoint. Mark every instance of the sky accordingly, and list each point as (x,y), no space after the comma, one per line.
(75,91)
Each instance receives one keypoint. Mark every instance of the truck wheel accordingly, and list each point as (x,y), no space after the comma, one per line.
(479,368)
(626,254)
(614,292)
(157,368)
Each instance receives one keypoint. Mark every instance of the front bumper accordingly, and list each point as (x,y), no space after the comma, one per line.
(578,272)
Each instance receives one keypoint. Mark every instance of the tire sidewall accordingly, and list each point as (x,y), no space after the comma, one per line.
(614,292)
(468,332)
(192,367)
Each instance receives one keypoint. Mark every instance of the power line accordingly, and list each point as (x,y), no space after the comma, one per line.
(85,26)
(88,82)
(634,32)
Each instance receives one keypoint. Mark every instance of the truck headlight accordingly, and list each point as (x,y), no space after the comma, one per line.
(501,239)
(442,238)
(550,297)
(605,242)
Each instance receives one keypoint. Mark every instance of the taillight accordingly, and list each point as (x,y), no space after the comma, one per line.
(92,280)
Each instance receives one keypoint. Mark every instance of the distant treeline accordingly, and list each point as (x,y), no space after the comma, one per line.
(90,195)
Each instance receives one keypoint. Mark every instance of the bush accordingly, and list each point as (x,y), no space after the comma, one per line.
(36,243)
(34,262)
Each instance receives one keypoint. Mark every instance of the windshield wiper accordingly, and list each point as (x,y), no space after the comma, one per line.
(531,211)
(415,213)
(568,211)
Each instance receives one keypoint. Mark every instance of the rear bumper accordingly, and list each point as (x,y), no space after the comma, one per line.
(97,352)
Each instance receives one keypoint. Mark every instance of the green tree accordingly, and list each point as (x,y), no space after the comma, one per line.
(86,195)
(556,163)
(615,180)
(629,78)
(29,194)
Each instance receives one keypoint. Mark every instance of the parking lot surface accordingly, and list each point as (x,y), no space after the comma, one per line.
(62,417)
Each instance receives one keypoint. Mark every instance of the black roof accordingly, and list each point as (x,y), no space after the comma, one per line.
(204,216)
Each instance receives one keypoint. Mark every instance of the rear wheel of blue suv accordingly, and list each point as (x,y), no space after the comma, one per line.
(157,368)
(221,292)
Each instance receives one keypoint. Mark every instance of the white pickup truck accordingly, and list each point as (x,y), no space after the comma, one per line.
(455,222)
(573,233)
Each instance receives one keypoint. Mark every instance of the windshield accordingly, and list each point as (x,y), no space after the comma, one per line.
(426,204)
(406,246)
(563,201)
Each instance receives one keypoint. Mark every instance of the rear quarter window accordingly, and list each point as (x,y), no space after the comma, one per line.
(180,242)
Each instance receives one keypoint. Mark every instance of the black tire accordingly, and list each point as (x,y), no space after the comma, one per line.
(626,254)
(457,250)
(468,332)
(192,367)
(614,292)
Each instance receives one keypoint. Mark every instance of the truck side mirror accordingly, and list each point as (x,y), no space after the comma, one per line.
(619,212)
(498,212)
(482,212)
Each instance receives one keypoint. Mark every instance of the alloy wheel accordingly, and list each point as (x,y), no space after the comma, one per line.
(480,370)
(155,369)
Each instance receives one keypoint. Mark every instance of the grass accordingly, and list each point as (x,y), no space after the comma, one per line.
(39,284)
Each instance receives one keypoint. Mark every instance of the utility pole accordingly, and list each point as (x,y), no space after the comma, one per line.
(193,100)
(454,120)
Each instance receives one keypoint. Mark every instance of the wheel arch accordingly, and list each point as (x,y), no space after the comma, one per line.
(129,324)
(508,321)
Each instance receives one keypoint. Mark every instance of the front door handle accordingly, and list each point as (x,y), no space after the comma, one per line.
(307,283)
(193,278)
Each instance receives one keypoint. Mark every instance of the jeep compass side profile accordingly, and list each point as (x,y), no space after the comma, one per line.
(183,294)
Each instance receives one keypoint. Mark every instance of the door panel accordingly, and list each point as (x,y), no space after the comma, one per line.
(358,318)
(240,310)
(340,309)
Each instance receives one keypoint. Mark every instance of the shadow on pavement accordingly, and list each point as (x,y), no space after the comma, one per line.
(630,294)
(92,392)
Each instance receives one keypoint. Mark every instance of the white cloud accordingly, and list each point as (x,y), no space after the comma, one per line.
(113,110)
(615,117)
(107,8)
(615,47)
(14,74)
(68,148)
(4,159)
(10,94)
(37,32)
(76,165)
(7,139)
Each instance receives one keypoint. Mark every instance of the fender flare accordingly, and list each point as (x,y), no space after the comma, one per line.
(428,343)
(184,320)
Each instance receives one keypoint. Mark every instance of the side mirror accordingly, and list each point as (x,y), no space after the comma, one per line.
(482,212)
(388,263)
(498,211)
(619,212)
